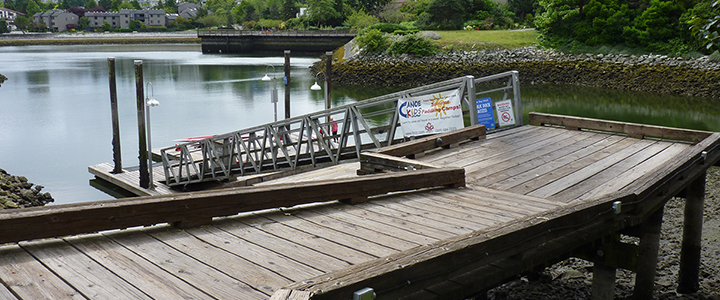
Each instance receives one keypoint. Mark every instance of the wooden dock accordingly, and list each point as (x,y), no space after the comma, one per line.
(427,222)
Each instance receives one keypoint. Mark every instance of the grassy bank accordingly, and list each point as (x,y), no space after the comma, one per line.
(100,41)
(487,39)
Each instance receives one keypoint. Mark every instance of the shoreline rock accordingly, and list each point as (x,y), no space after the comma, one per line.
(647,73)
(17,192)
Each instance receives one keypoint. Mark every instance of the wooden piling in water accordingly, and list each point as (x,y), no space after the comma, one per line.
(692,237)
(140,95)
(287,84)
(117,157)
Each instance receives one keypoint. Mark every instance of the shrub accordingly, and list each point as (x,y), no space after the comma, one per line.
(414,44)
(361,20)
(388,27)
(372,40)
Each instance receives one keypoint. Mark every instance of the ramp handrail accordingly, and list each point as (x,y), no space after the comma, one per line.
(307,139)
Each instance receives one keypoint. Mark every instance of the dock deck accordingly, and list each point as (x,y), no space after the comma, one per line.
(409,244)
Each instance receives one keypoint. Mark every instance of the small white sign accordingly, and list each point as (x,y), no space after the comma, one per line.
(506,115)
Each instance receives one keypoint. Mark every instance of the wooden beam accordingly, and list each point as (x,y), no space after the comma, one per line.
(631,129)
(194,208)
(372,162)
(432,142)
(688,280)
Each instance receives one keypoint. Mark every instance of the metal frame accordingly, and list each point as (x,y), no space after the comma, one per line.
(304,140)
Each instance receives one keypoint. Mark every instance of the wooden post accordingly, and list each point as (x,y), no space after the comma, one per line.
(692,237)
(647,256)
(287,84)
(603,284)
(328,71)
(140,95)
(117,157)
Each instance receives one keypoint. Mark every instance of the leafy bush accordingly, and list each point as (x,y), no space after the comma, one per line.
(372,40)
(413,44)
(388,27)
(361,20)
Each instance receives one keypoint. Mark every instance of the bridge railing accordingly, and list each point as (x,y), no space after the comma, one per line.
(308,140)
(237,33)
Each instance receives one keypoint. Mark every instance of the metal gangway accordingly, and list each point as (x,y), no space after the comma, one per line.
(307,141)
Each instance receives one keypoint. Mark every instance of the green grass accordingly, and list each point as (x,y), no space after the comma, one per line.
(487,39)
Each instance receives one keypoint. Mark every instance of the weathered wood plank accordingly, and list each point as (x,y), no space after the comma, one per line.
(350,241)
(401,223)
(215,284)
(434,141)
(556,186)
(86,275)
(473,201)
(573,191)
(377,162)
(294,251)
(445,201)
(6,294)
(294,270)
(263,280)
(434,204)
(494,149)
(29,279)
(500,159)
(621,180)
(524,163)
(445,220)
(146,276)
(518,156)
(314,242)
(87,217)
(512,136)
(354,229)
(395,232)
(631,129)
(554,164)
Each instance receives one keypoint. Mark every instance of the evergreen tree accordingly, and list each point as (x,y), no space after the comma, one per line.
(289,9)
(3,29)
(90,4)
(106,4)
(33,8)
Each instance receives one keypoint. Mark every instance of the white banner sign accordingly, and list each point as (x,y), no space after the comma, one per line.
(428,114)
(505,113)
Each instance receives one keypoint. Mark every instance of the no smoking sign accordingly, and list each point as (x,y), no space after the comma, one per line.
(505,111)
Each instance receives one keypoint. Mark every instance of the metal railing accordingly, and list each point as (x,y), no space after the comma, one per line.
(308,140)
(233,33)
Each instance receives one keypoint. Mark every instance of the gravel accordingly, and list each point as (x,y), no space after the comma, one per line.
(572,278)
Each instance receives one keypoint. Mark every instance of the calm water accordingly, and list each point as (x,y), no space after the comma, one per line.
(55,108)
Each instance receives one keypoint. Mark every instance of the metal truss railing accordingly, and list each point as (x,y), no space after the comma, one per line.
(308,140)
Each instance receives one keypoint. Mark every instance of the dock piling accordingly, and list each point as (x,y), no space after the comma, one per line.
(692,237)
(117,157)
(648,256)
(140,95)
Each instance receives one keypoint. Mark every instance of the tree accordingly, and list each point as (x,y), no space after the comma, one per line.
(360,20)
(289,10)
(135,4)
(106,26)
(33,8)
(83,23)
(4,28)
(23,22)
(705,24)
(170,6)
(443,14)
(106,4)
(321,11)
(89,4)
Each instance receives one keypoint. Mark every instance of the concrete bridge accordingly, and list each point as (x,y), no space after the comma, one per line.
(245,41)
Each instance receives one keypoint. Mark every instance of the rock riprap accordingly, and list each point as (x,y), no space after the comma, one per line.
(17,192)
